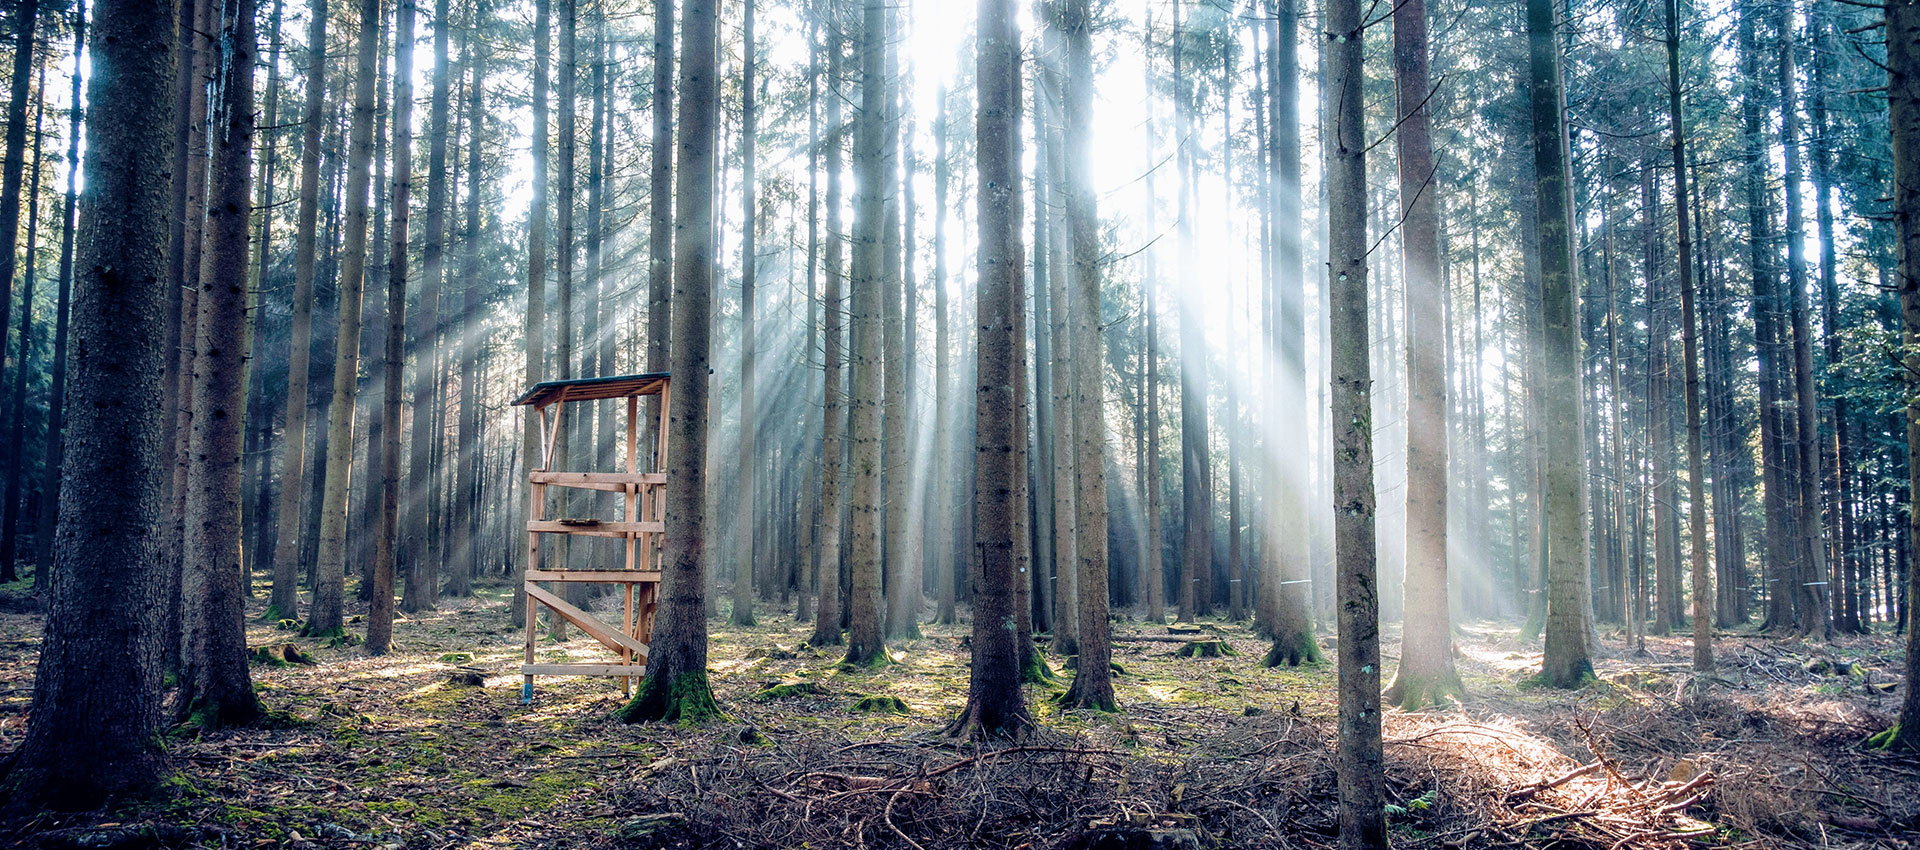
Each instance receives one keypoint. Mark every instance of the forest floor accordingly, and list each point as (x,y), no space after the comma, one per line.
(430,747)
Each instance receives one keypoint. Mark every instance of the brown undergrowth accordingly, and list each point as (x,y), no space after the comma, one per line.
(430,748)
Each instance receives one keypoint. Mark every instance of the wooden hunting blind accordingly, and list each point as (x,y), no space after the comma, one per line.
(640,528)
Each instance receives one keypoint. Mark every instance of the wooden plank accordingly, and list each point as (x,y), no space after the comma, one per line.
(575,479)
(588,623)
(603,529)
(595,576)
(583,669)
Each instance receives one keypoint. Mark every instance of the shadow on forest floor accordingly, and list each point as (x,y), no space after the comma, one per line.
(407,751)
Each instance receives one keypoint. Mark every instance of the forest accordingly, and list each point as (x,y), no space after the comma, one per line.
(910,425)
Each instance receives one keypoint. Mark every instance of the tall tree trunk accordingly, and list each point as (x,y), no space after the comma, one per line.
(1690,341)
(660,203)
(826,628)
(464,560)
(1846,609)
(536,326)
(422,569)
(63,309)
(192,205)
(994,704)
(10,507)
(93,732)
(26,16)
(871,166)
(1903,106)
(1053,348)
(902,604)
(1093,679)
(1810,588)
(566,432)
(945,556)
(216,689)
(324,619)
(284,601)
(386,555)
(1196,459)
(677,687)
(1359,761)
(1567,661)
(744,521)
(1285,580)
(1779,545)
(1426,674)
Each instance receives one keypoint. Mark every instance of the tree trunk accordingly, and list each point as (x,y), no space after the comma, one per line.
(93,731)
(386,555)
(1093,679)
(872,166)
(1903,106)
(284,603)
(676,687)
(1810,589)
(1196,459)
(464,561)
(216,689)
(1359,761)
(943,553)
(1567,662)
(57,390)
(25,16)
(422,567)
(744,521)
(826,628)
(10,507)
(536,326)
(1426,674)
(1690,341)
(994,704)
(324,619)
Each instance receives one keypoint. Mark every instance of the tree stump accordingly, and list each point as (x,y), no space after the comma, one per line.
(1214,648)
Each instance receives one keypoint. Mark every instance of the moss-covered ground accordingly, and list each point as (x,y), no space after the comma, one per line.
(406,750)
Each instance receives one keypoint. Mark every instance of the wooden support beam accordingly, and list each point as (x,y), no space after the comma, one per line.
(598,529)
(595,576)
(611,637)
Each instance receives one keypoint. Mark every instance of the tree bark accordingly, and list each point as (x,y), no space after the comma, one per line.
(422,557)
(1903,106)
(324,618)
(1426,674)
(1690,341)
(677,687)
(386,555)
(63,309)
(1567,661)
(1359,761)
(994,704)
(464,562)
(92,733)
(216,689)
(871,167)
(747,515)
(536,325)
(826,628)
(1093,679)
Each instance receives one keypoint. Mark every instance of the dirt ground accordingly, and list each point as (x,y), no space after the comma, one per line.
(430,747)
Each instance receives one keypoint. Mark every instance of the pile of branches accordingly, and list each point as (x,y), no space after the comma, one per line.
(1266,781)
(927,793)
